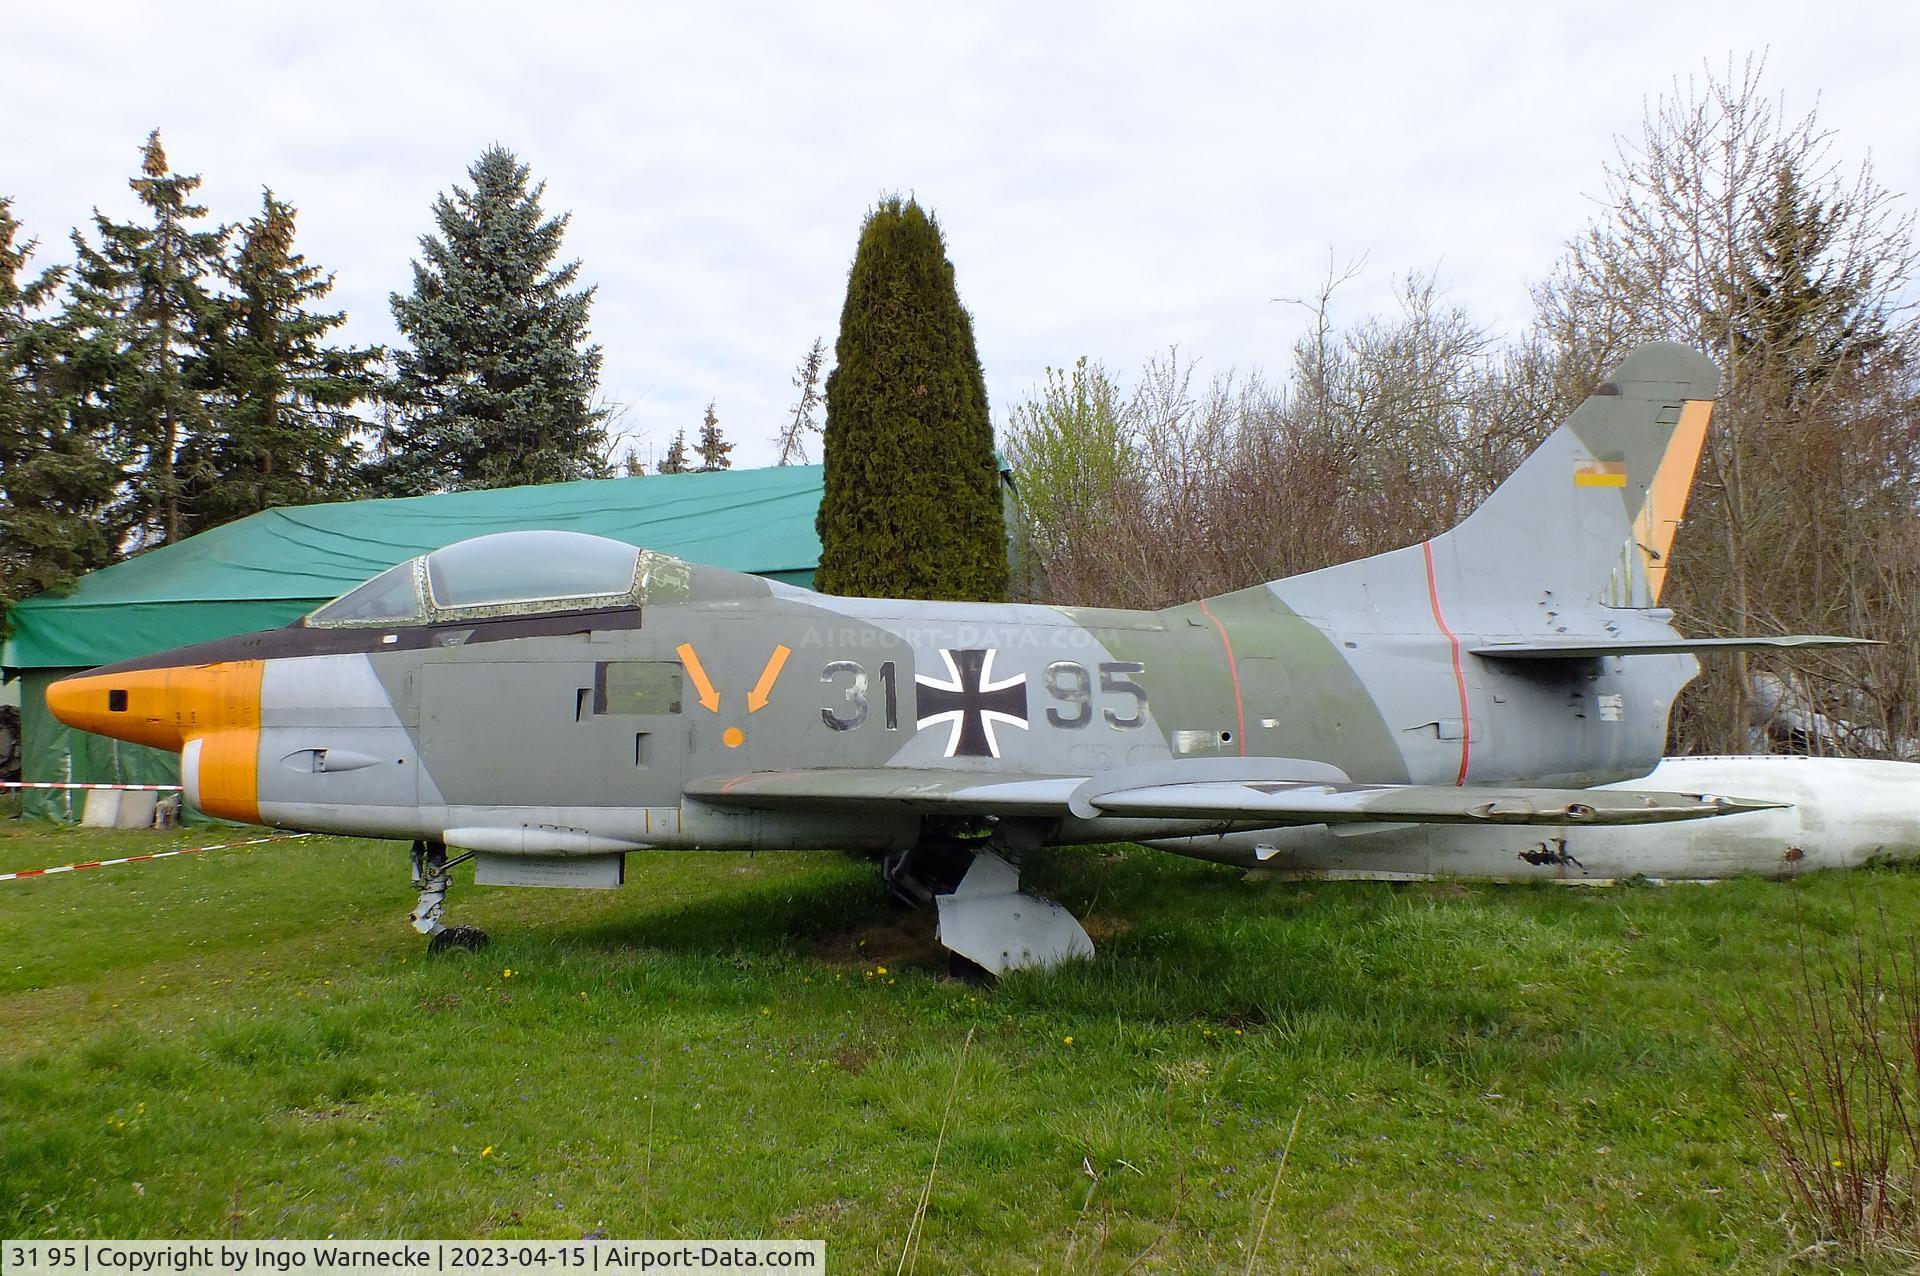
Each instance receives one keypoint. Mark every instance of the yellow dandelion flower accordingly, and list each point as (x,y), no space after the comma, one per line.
(487,1150)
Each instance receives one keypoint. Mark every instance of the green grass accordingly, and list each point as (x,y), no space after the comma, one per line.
(253,1043)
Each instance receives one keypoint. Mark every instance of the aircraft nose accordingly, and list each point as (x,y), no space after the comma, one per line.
(136,706)
(208,713)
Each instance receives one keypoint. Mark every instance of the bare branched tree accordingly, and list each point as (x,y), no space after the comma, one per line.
(1732,228)
(1726,225)
(1392,428)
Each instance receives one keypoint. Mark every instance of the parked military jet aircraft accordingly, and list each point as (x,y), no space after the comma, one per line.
(549,701)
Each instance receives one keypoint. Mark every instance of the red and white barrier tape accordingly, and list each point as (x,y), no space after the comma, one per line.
(154,855)
(131,788)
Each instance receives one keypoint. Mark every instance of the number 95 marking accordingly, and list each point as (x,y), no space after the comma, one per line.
(1069,682)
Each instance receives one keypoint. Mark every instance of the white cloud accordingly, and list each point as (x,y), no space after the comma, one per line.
(1112,178)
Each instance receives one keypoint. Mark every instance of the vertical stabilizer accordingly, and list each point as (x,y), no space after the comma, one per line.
(1572,547)
(1593,511)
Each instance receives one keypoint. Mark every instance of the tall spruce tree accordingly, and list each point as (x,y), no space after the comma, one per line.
(675,461)
(497,386)
(712,447)
(282,426)
(1801,303)
(136,316)
(56,481)
(792,439)
(912,501)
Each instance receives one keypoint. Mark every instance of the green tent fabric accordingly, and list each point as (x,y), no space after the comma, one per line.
(275,566)
(279,564)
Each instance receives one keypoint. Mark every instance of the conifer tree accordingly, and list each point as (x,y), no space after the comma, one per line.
(496,387)
(282,425)
(137,318)
(806,379)
(675,461)
(712,448)
(911,506)
(56,480)
(1802,304)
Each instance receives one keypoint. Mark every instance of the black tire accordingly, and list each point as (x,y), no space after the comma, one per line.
(466,939)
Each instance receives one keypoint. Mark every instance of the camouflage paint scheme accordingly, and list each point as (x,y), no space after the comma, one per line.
(1486,676)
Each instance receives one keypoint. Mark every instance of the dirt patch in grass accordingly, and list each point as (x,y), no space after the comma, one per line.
(905,940)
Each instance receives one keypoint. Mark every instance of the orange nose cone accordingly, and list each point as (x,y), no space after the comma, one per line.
(137,707)
(163,707)
(217,705)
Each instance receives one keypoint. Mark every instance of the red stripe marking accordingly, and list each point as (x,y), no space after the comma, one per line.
(130,788)
(1233,671)
(1459,675)
(151,855)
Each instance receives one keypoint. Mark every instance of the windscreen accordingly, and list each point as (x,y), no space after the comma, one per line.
(391,597)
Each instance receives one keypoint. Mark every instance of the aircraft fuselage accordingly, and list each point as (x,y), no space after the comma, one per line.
(593,723)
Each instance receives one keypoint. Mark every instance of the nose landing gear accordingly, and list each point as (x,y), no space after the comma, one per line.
(433,878)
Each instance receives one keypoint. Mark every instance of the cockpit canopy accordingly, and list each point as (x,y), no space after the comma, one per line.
(510,573)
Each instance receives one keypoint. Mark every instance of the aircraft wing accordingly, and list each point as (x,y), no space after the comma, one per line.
(1590,648)
(1232,794)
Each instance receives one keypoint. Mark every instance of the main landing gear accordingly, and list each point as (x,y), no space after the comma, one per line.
(433,878)
(986,922)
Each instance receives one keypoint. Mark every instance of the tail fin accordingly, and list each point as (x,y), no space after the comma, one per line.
(1593,511)
(1583,528)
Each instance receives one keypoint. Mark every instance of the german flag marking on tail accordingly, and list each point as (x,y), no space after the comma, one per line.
(1600,474)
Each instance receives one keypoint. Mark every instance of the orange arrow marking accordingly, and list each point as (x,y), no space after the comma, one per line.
(763,689)
(709,698)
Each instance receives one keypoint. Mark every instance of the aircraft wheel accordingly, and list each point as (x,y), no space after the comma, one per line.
(469,939)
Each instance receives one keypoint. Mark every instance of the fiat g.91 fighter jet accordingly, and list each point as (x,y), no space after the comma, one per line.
(550,702)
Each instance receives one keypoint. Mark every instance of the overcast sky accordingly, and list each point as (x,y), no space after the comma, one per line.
(1112,179)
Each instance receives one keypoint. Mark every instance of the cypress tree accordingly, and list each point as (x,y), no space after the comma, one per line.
(497,386)
(911,506)
(282,427)
(56,481)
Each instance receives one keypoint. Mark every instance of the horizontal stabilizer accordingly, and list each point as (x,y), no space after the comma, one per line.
(1253,792)
(1594,648)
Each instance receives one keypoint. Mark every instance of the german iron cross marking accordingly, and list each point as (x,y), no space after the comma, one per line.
(971,702)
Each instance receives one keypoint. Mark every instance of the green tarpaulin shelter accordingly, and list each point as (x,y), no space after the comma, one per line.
(275,566)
